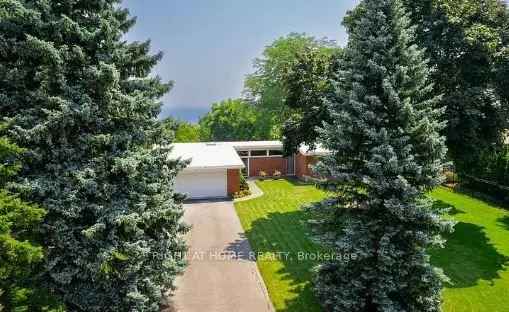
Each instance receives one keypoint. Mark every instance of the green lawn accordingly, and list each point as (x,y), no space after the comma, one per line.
(475,258)
(274,223)
(476,255)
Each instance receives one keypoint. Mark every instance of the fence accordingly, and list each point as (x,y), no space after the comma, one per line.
(480,187)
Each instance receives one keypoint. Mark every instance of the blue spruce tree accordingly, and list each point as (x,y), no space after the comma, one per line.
(386,154)
(82,101)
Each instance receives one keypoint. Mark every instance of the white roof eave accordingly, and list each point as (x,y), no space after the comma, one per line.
(213,167)
(206,156)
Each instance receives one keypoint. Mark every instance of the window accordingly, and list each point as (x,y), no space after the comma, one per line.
(259,153)
(245,170)
(243,153)
(275,153)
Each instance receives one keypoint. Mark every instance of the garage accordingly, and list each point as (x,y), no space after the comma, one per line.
(213,170)
(203,184)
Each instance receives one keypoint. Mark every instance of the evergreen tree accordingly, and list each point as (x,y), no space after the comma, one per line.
(466,42)
(386,153)
(83,101)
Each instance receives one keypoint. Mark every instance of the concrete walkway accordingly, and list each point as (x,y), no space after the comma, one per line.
(222,275)
(255,191)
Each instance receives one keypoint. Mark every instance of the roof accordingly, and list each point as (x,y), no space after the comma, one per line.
(207,155)
(223,155)
(256,144)
(317,151)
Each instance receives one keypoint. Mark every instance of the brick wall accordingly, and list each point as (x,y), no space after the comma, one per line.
(267,164)
(302,164)
(232,181)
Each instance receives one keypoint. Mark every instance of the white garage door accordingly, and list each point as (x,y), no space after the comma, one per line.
(202,184)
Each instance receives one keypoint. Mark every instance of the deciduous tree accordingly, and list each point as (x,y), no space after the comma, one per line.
(307,84)
(266,86)
(233,120)
(181,131)
(466,42)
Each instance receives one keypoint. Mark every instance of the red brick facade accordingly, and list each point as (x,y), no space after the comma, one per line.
(302,164)
(232,181)
(271,164)
(267,164)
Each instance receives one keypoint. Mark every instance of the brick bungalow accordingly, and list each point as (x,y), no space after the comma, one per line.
(215,168)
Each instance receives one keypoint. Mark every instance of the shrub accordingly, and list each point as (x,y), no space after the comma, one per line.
(490,176)
(243,183)
(451,177)
(262,174)
(277,173)
(241,194)
(493,166)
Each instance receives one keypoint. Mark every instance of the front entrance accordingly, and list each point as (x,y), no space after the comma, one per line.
(245,170)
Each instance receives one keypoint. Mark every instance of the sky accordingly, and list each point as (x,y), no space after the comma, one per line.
(209,45)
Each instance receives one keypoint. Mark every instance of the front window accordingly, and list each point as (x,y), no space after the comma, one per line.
(259,153)
(275,153)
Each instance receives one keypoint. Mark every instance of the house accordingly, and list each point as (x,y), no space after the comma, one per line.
(215,167)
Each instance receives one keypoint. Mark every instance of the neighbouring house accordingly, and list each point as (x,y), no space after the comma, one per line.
(215,167)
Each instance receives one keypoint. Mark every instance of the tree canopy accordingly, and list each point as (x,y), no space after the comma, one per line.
(307,84)
(266,87)
(181,131)
(466,43)
(233,120)
(187,132)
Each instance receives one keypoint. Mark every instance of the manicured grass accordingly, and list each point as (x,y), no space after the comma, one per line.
(275,223)
(475,258)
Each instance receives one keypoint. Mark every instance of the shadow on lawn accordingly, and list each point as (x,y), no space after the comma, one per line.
(451,210)
(298,182)
(504,222)
(469,257)
(285,233)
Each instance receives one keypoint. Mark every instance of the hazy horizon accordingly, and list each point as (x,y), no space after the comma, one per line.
(209,46)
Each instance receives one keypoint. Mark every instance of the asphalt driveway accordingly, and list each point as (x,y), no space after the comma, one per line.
(222,275)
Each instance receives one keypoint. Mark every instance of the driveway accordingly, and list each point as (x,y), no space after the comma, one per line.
(222,275)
